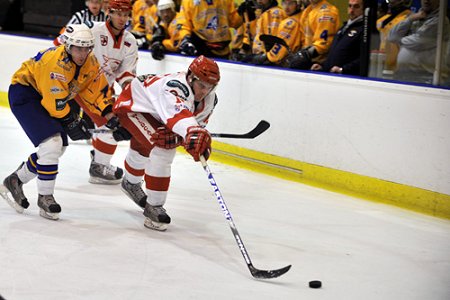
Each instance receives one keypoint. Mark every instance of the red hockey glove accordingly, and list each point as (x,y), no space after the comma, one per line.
(165,138)
(198,142)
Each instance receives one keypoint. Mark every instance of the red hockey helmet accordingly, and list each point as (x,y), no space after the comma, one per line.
(205,69)
(120,5)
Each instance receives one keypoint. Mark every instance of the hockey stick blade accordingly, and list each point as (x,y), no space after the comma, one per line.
(260,128)
(271,40)
(268,274)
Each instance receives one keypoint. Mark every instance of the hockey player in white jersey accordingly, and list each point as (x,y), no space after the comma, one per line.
(162,112)
(116,50)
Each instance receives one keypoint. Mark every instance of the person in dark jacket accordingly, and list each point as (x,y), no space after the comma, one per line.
(345,51)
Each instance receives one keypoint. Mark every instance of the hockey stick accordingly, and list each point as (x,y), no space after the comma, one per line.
(260,128)
(270,40)
(256,273)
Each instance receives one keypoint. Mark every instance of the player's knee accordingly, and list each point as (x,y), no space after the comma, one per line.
(50,150)
(163,156)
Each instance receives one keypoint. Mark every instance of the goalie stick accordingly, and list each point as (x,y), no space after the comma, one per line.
(256,273)
(260,128)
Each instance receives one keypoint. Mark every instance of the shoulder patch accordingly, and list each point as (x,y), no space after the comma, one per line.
(178,84)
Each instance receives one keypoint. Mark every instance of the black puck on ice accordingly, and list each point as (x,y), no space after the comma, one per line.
(315,284)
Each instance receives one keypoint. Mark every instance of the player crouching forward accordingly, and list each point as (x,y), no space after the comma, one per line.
(38,95)
(162,112)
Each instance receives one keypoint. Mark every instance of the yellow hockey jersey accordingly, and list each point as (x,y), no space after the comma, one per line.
(139,10)
(151,19)
(291,31)
(321,24)
(210,20)
(267,23)
(53,75)
(391,49)
(174,32)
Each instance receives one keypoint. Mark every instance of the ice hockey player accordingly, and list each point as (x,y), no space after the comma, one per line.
(38,95)
(117,53)
(162,112)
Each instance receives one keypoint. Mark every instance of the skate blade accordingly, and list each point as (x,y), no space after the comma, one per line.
(96,180)
(155,225)
(129,196)
(48,215)
(4,193)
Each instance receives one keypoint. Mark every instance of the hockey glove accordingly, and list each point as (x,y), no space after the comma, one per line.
(113,123)
(260,59)
(158,50)
(165,138)
(198,142)
(303,58)
(159,34)
(187,47)
(249,8)
(121,134)
(75,127)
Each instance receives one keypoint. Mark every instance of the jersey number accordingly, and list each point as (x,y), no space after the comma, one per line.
(324,35)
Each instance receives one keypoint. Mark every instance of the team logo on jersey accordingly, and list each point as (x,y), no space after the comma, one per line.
(352,33)
(213,24)
(326,18)
(56,90)
(180,103)
(103,40)
(178,84)
(57,76)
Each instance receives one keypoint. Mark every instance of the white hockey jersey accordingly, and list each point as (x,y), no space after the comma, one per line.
(167,98)
(117,55)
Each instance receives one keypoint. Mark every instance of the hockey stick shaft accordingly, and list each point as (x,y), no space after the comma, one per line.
(226,212)
(260,274)
(259,129)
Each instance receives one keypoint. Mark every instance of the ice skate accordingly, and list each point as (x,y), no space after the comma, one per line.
(49,209)
(12,192)
(156,217)
(103,174)
(134,192)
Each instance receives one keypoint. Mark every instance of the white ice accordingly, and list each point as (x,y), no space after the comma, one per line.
(99,249)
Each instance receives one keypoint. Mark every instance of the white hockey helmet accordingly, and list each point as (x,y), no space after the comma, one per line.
(166,4)
(78,35)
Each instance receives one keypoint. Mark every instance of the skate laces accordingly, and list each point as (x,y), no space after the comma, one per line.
(135,189)
(15,185)
(105,170)
(48,200)
(158,210)
(109,170)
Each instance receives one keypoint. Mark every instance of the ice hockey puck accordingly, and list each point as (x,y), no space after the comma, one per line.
(315,284)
